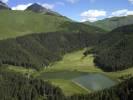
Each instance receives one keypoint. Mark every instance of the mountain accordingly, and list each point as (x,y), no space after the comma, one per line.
(34,40)
(116,49)
(4,6)
(19,23)
(40,50)
(40,9)
(112,23)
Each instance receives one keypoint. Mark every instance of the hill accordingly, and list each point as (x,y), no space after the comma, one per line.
(19,23)
(116,49)
(40,50)
(112,23)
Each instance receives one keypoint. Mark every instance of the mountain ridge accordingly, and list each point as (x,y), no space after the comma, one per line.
(112,23)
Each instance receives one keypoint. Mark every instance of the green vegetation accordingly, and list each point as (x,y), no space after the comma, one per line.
(116,50)
(46,47)
(74,61)
(40,50)
(63,72)
(112,23)
(14,86)
(19,23)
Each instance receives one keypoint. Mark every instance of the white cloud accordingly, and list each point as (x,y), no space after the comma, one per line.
(21,6)
(123,12)
(48,6)
(5,1)
(24,6)
(93,15)
(72,1)
(131,1)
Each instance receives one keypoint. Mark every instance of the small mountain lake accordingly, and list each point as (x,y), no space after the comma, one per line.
(94,82)
(90,81)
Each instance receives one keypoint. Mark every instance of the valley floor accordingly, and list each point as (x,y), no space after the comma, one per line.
(75,66)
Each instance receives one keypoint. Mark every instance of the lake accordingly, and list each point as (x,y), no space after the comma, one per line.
(94,82)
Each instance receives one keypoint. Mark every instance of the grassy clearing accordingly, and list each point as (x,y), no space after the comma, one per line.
(74,62)
(21,70)
(118,74)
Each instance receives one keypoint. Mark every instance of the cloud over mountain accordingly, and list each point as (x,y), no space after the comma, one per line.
(92,15)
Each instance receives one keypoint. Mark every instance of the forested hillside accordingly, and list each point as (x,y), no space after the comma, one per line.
(116,49)
(14,86)
(39,50)
(112,23)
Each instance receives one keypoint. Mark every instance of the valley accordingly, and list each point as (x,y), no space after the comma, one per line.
(47,55)
(73,69)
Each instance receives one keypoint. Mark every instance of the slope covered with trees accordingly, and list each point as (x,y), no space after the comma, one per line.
(116,49)
(14,86)
(39,50)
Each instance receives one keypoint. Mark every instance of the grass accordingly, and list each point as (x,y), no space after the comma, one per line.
(74,62)
(21,70)
(118,74)
(19,23)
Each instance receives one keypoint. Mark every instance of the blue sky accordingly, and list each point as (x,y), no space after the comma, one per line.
(81,10)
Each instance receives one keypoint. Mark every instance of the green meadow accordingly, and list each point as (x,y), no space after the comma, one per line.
(19,23)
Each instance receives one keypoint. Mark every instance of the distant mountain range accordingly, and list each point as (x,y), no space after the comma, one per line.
(112,23)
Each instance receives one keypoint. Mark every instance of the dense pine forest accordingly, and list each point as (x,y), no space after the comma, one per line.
(14,86)
(40,50)
(115,50)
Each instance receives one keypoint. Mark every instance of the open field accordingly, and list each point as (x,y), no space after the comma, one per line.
(74,61)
